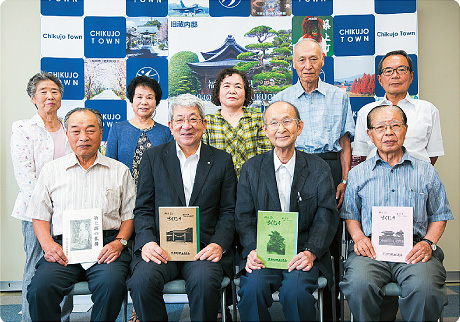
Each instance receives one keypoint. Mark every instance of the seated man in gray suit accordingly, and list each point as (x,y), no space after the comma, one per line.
(184,172)
(285,179)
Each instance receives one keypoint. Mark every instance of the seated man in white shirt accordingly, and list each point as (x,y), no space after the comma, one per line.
(84,179)
(423,139)
(285,179)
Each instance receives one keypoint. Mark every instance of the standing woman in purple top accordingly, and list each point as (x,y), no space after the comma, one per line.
(35,142)
(129,139)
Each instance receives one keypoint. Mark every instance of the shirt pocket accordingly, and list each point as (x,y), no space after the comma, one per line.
(418,200)
(111,201)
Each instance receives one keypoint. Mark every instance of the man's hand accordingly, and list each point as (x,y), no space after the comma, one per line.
(110,252)
(212,252)
(302,261)
(340,194)
(363,247)
(54,253)
(420,252)
(253,262)
(152,252)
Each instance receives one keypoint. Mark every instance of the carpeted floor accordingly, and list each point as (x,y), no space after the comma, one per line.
(10,306)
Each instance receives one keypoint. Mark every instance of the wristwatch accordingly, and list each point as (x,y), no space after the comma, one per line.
(432,245)
(123,241)
(343,181)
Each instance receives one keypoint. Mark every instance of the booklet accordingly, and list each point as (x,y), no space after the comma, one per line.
(277,237)
(180,232)
(82,238)
(392,233)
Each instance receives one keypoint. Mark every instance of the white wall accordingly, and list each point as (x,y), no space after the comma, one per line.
(439,83)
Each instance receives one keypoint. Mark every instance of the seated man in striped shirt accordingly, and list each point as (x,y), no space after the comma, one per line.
(82,180)
(394,178)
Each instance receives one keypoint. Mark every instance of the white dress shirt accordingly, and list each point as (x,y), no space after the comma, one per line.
(64,185)
(284,174)
(188,170)
(423,138)
(31,148)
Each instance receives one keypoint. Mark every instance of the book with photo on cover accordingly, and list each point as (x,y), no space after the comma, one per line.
(277,237)
(82,238)
(392,233)
(180,232)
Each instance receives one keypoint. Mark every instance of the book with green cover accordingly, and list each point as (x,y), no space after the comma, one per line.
(277,237)
(180,232)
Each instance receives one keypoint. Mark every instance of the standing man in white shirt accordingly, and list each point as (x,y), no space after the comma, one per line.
(423,138)
(84,179)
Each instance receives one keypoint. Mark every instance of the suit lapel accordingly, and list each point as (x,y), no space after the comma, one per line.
(173,167)
(300,176)
(268,172)
(202,170)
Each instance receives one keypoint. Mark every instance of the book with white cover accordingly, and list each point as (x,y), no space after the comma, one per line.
(392,234)
(82,238)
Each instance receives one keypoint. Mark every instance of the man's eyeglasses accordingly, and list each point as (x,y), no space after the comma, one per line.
(400,70)
(381,127)
(287,122)
(191,121)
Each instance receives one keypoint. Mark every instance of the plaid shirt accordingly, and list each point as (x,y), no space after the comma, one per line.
(242,142)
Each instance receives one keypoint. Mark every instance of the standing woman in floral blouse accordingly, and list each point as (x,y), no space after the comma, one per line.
(234,128)
(35,142)
(129,139)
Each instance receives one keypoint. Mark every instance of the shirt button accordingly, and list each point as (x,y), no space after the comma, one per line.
(392,171)
(392,190)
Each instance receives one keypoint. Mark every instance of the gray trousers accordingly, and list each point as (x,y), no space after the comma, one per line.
(422,286)
(33,254)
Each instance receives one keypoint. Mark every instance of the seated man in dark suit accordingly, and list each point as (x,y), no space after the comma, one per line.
(184,172)
(285,179)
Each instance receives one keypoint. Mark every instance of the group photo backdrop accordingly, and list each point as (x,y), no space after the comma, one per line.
(96,47)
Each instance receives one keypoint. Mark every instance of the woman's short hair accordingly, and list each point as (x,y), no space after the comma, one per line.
(37,78)
(229,72)
(186,100)
(145,81)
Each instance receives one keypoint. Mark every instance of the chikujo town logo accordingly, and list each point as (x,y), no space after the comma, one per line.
(149,72)
(229,3)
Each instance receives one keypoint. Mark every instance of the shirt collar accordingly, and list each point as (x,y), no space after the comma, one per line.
(299,91)
(386,101)
(290,165)
(181,154)
(406,159)
(72,161)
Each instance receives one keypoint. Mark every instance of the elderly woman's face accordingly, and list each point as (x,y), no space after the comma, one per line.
(231,92)
(47,97)
(144,102)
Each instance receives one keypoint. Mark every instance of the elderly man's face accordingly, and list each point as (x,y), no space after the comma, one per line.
(84,134)
(187,126)
(396,84)
(308,61)
(391,139)
(282,128)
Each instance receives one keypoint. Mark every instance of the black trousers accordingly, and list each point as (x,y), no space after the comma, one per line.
(52,281)
(202,283)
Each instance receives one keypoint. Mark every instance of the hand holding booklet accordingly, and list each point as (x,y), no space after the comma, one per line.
(82,238)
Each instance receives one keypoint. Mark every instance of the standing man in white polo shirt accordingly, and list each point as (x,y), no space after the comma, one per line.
(423,139)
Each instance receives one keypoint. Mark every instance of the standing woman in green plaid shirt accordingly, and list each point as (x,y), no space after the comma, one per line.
(233,128)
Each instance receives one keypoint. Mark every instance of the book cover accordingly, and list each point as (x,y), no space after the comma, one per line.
(392,233)
(82,238)
(180,232)
(277,237)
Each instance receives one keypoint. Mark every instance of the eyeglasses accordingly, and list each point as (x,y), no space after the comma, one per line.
(191,121)
(287,122)
(400,70)
(381,127)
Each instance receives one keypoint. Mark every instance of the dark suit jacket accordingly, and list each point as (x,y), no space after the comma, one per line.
(317,208)
(160,185)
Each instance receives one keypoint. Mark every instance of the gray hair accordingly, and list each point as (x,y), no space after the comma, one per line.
(378,108)
(302,40)
(37,78)
(296,110)
(84,109)
(185,100)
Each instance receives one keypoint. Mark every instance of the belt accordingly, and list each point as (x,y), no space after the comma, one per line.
(328,155)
